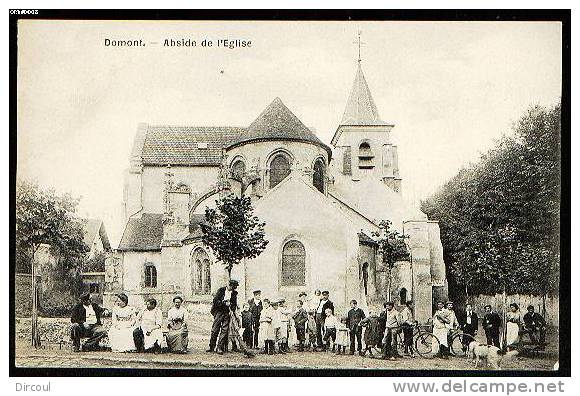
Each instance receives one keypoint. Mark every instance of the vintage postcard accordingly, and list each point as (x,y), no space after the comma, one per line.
(290,196)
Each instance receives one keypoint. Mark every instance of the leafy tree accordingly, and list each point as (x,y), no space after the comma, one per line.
(232,231)
(499,217)
(44,218)
(391,246)
(95,263)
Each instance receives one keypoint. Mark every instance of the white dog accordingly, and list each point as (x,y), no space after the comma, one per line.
(491,354)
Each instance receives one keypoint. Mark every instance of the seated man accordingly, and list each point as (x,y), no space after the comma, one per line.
(86,323)
(534,322)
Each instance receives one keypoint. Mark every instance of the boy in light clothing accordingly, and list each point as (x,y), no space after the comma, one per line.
(330,323)
(284,326)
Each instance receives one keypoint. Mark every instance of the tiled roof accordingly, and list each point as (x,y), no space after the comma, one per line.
(277,122)
(365,239)
(143,233)
(360,106)
(181,145)
(92,228)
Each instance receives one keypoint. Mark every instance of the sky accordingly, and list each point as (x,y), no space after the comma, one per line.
(451,89)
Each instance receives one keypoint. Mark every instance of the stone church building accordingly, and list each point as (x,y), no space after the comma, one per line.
(320,204)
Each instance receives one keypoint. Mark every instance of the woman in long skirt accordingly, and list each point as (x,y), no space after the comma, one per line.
(514,319)
(151,322)
(441,323)
(177,337)
(123,319)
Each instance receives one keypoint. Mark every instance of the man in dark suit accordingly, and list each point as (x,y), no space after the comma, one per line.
(86,323)
(491,323)
(469,324)
(320,316)
(353,318)
(534,323)
(224,301)
(256,309)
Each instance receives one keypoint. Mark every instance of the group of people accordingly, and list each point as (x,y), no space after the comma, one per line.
(445,321)
(267,324)
(131,330)
(270,325)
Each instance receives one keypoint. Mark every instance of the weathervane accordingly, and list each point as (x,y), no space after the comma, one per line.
(359,44)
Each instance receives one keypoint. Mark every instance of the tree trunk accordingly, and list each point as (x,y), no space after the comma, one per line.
(34,331)
(504,333)
(544,305)
(389,284)
(229,271)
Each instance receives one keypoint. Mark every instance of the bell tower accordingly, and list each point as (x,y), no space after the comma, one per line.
(362,141)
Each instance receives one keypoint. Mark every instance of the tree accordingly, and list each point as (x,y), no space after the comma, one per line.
(44,218)
(499,218)
(95,263)
(232,231)
(391,246)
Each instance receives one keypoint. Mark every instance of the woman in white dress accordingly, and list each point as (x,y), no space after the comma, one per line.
(514,319)
(441,331)
(123,318)
(151,320)
(177,337)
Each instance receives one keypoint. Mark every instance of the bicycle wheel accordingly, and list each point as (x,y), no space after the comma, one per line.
(460,344)
(426,344)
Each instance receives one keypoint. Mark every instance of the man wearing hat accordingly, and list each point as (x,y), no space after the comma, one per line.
(86,323)
(224,301)
(255,304)
(323,305)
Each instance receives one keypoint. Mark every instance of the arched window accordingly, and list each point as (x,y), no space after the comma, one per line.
(150,275)
(200,272)
(318,176)
(238,169)
(365,156)
(279,169)
(293,264)
(403,296)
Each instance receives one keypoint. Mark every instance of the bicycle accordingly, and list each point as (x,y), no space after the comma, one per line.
(425,343)
(459,342)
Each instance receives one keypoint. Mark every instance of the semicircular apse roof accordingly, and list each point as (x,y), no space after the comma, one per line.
(277,122)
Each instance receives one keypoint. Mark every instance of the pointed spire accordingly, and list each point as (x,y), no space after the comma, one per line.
(360,106)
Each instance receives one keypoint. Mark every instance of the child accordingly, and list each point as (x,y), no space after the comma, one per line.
(284,326)
(266,332)
(311,326)
(373,334)
(330,323)
(341,337)
(277,325)
(247,325)
(300,319)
